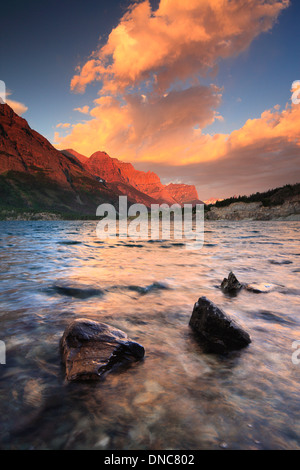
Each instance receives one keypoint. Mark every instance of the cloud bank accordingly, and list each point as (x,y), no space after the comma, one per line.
(152,107)
(179,41)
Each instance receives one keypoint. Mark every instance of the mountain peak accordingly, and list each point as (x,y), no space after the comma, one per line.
(184,193)
(42,176)
(100,154)
(9,115)
(113,170)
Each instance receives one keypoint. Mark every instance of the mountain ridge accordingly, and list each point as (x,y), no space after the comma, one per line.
(35,176)
(114,170)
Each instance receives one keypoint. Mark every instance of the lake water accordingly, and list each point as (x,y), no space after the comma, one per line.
(178,397)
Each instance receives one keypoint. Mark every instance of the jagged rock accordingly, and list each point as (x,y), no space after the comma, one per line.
(126,178)
(217,330)
(37,176)
(231,285)
(184,193)
(90,350)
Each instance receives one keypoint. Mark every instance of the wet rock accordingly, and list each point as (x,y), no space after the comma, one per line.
(217,330)
(90,350)
(231,285)
(261,288)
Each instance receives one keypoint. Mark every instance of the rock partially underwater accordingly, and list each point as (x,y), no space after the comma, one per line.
(232,286)
(90,350)
(218,332)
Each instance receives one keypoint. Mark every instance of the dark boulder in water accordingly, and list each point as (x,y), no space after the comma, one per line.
(231,285)
(217,330)
(90,350)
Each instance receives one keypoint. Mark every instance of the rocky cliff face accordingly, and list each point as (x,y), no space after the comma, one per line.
(72,153)
(289,210)
(34,175)
(183,193)
(24,150)
(115,171)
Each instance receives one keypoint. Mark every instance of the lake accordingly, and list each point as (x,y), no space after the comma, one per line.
(178,397)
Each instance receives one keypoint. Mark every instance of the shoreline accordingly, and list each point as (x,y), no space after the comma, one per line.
(45,217)
(289,210)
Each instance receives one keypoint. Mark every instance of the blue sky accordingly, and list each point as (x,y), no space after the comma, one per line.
(44,41)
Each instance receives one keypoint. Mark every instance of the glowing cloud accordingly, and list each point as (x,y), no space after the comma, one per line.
(64,125)
(146,129)
(178,41)
(83,110)
(152,107)
(19,108)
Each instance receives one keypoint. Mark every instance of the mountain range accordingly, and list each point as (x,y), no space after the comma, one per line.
(36,176)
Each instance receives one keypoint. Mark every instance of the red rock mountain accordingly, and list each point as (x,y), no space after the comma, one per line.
(73,153)
(36,176)
(24,150)
(113,170)
(183,193)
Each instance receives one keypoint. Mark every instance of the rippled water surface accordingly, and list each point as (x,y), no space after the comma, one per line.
(178,397)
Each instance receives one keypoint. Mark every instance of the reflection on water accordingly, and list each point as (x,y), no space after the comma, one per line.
(178,397)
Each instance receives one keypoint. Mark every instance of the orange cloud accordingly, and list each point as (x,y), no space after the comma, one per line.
(166,51)
(151,108)
(91,71)
(19,108)
(83,110)
(170,135)
(64,125)
(263,154)
(178,41)
(146,128)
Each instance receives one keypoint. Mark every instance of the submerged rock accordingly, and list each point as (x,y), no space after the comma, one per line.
(155,286)
(217,330)
(231,285)
(90,350)
(261,288)
(77,291)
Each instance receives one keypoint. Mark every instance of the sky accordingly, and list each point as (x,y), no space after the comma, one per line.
(198,91)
